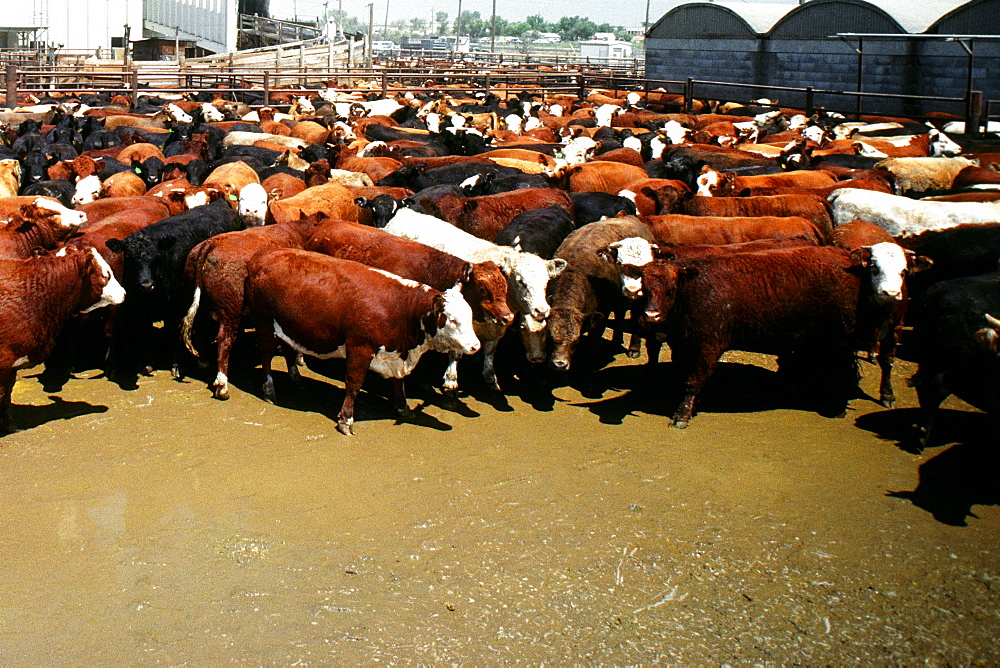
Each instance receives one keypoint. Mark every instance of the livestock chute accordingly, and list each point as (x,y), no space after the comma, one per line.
(211,24)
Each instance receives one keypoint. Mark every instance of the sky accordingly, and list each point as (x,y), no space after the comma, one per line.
(627,13)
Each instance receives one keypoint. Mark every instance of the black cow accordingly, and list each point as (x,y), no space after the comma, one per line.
(154,260)
(951,359)
(957,252)
(538,231)
(593,206)
(59,189)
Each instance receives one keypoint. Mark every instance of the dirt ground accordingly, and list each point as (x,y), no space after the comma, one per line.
(571,525)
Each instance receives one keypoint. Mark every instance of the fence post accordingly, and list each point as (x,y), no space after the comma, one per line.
(11,85)
(385,85)
(581,91)
(267,88)
(487,85)
(974,107)
(688,95)
(135,87)
(809,101)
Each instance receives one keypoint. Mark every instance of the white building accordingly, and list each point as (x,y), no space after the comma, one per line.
(605,48)
(92,24)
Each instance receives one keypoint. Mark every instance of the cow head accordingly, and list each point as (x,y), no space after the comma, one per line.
(66,220)
(710,182)
(87,190)
(630,255)
(527,279)
(485,288)
(889,264)
(252,204)
(139,253)
(450,324)
(383,208)
(100,286)
(660,282)
(941,144)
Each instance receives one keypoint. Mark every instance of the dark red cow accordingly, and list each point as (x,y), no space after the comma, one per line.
(487,215)
(679,229)
(217,267)
(328,307)
(796,301)
(37,296)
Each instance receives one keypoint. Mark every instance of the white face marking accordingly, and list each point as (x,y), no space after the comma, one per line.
(210,113)
(556,109)
(253,204)
(814,133)
(305,105)
(867,151)
(942,145)
(371,146)
(457,334)
(433,122)
(513,122)
(178,114)
(888,265)
(87,190)
(707,181)
(604,113)
(68,219)
(113,292)
(633,98)
(199,198)
(676,133)
(532,123)
(576,151)
(627,194)
(633,252)
(633,143)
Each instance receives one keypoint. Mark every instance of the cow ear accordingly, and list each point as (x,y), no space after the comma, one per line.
(688,271)
(115,245)
(660,253)
(917,263)
(360,201)
(862,256)
(648,192)
(555,266)
(470,205)
(609,253)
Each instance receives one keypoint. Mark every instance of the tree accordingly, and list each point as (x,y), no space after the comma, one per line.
(418,26)
(536,22)
(474,26)
(441,18)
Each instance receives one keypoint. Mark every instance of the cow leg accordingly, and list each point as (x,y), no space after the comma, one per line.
(359,359)
(224,346)
(265,344)
(702,365)
(399,398)
(7,379)
(293,360)
(931,392)
(450,385)
(490,373)
(886,357)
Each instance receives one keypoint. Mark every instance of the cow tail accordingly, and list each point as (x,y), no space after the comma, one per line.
(188,323)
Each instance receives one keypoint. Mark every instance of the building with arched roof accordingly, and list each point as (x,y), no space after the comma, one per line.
(892,49)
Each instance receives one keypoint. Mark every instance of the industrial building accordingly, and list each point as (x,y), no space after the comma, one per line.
(898,47)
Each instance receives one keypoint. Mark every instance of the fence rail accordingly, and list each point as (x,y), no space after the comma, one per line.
(257,85)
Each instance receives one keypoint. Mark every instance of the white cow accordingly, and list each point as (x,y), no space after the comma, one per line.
(904,217)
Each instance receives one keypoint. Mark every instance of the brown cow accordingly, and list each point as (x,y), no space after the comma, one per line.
(680,229)
(811,207)
(37,296)
(485,216)
(328,307)
(333,199)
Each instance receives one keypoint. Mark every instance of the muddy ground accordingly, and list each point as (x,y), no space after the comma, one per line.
(156,525)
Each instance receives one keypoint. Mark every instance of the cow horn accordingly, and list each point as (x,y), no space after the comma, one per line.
(994,322)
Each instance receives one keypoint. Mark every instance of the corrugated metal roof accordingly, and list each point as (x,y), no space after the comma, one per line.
(916,16)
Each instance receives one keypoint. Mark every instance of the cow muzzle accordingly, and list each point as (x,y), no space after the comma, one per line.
(540,314)
(653,317)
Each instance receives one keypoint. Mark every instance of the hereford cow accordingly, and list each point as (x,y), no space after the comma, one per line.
(37,296)
(680,229)
(328,307)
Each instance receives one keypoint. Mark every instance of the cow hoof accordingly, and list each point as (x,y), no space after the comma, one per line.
(346,428)
(679,424)
(175,373)
(889,402)
(633,354)
(449,398)
(222,394)
(147,370)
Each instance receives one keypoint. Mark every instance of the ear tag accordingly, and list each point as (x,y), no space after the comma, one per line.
(232,197)
(138,170)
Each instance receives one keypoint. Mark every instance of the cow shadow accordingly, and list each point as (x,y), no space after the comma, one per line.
(956,479)
(28,416)
(657,389)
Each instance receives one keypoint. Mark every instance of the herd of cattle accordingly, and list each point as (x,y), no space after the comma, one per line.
(376,229)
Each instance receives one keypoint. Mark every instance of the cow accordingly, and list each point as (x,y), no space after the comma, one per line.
(794,302)
(538,231)
(38,208)
(956,252)
(37,296)
(585,293)
(10,178)
(482,283)
(591,207)
(681,229)
(102,208)
(903,217)
(217,268)
(486,216)
(712,183)
(332,199)
(154,260)
(806,206)
(948,318)
(327,307)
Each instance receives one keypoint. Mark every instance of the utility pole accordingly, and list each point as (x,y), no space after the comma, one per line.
(493,28)
(645,24)
(340,19)
(127,55)
(385,26)
(458,25)
(368,45)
